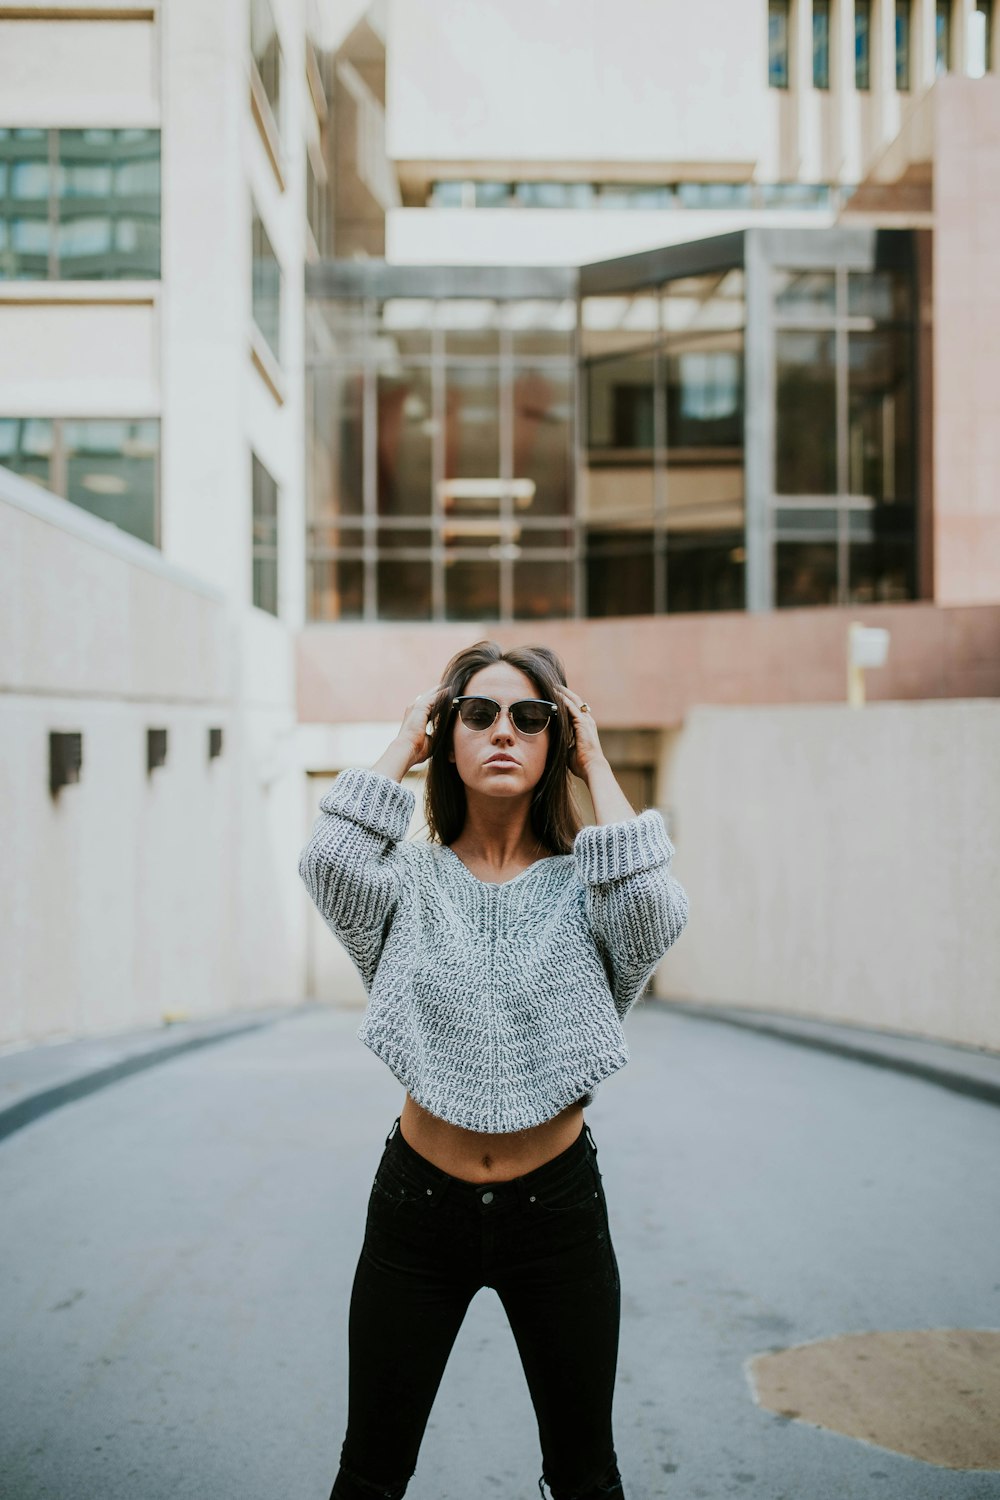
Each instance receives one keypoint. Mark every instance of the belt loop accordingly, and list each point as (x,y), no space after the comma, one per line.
(392,1132)
(593,1143)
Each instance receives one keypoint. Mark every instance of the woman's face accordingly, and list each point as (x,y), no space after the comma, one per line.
(473,750)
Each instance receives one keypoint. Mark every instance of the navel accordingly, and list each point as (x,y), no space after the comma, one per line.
(487,1160)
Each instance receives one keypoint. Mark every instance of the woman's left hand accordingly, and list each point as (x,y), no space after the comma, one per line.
(587,749)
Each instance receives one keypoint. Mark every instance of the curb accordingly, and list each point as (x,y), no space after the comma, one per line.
(970,1071)
(144,1049)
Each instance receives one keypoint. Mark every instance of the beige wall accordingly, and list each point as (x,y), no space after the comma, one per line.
(129,895)
(967,340)
(842,864)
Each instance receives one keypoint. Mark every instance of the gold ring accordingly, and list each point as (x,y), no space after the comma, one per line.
(585,708)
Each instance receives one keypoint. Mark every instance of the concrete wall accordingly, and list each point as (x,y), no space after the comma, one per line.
(842,864)
(132,895)
(530,79)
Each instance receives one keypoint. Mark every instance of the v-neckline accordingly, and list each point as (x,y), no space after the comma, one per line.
(497,884)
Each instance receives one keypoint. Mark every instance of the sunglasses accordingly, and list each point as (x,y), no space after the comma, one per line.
(528,715)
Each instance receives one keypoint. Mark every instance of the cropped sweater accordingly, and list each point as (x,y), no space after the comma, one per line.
(495,1004)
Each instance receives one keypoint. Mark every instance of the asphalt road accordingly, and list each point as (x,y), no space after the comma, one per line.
(177,1252)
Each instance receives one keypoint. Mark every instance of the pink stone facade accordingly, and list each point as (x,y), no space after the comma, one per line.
(648,670)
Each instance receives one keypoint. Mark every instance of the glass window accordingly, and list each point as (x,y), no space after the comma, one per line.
(542,328)
(942,36)
(337,588)
(880,422)
(448,194)
(620,402)
(108,188)
(821,44)
(619,571)
(639,195)
(903,34)
(777,43)
(805,415)
(471,325)
(265,539)
(317,203)
(809,295)
(406,327)
(26,447)
(542,401)
(882,295)
(704,391)
(794,194)
(493,194)
(26,185)
(265,50)
(805,573)
(266,288)
(862,43)
(471,589)
(705,571)
(543,588)
(694,304)
(881,565)
(405,442)
(404,588)
(613,323)
(111,471)
(715,194)
(980,41)
(554,194)
(471,441)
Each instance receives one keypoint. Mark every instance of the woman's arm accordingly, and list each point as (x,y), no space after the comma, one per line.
(351,863)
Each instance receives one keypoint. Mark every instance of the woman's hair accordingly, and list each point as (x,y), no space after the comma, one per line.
(555,818)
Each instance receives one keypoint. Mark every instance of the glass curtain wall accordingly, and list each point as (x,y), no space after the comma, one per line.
(441,462)
(844,509)
(663,503)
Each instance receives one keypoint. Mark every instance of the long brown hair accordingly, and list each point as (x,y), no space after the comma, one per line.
(555,818)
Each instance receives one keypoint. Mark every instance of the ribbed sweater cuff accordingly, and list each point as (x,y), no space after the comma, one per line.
(610,851)
(371,799)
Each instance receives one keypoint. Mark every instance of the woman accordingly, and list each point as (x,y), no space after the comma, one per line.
(500,958)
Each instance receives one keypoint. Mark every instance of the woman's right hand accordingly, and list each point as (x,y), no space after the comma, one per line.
(413,730)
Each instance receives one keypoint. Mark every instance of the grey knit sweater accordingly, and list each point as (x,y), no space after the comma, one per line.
(494,1004)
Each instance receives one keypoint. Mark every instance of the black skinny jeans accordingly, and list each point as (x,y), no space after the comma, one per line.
(431,1241)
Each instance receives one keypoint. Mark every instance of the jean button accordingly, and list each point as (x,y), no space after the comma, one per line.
(487,1197)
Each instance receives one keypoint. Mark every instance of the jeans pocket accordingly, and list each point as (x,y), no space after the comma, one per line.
(395,1186)
(574,1194)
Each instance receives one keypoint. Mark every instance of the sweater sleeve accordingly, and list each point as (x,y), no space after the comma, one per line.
(636,908)
(350,864)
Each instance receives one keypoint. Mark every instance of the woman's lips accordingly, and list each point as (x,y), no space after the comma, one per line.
(502,760)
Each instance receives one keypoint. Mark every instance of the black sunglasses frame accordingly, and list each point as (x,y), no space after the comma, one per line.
(482,698)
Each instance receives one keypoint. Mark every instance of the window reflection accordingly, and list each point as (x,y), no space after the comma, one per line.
(880,439)
(266,287)
(619,570)
(111,471)
(404,589)
(805,574)
(26,445)
(471,440)
(471,589)
(805,415)
(79,203)
(405,442)
(265,538)
(543,588)
(542,400)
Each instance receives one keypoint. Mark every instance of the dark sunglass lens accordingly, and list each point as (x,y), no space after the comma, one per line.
(477,713)
(530,718)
